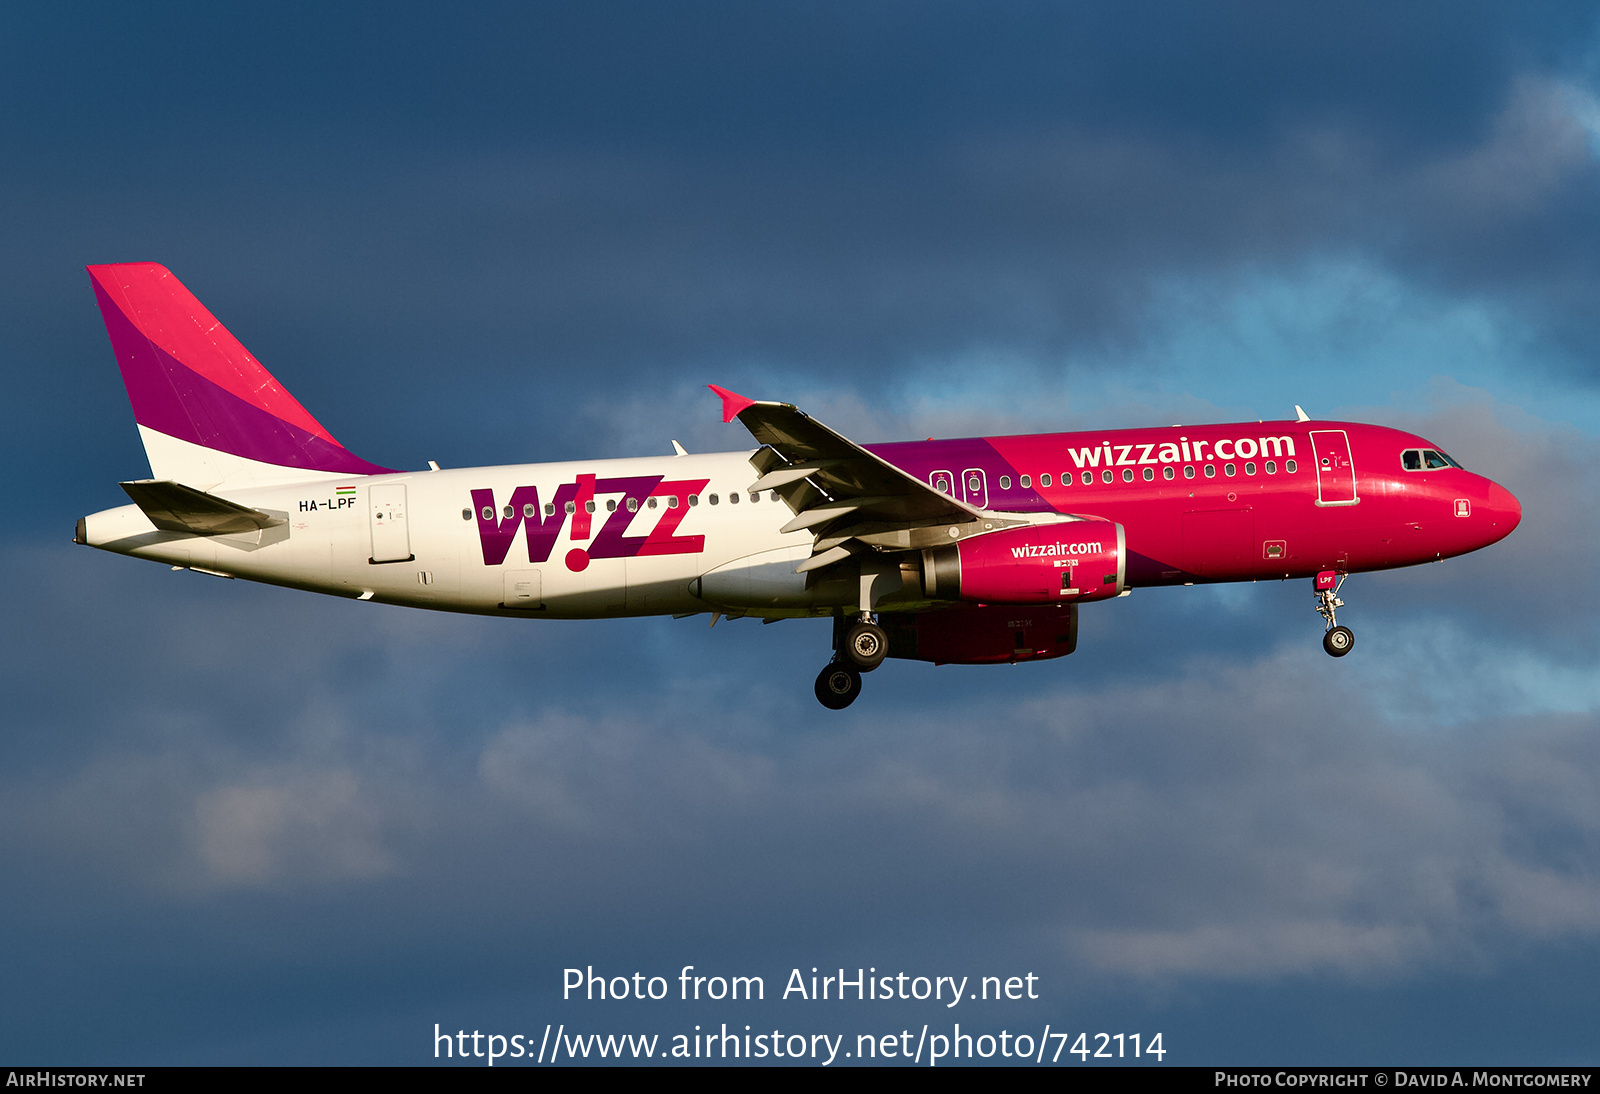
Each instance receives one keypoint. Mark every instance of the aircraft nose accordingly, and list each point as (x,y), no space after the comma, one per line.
(1505,511)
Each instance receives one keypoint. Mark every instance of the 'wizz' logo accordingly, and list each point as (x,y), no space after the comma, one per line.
(497,528)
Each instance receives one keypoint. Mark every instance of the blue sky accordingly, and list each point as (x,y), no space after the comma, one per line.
(244,825)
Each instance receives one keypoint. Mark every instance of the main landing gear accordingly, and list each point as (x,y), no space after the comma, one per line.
(1339,640)
(859,646)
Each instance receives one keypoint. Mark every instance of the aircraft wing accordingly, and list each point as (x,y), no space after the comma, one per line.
(851,500)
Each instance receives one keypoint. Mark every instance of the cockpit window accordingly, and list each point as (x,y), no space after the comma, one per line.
(1425,459)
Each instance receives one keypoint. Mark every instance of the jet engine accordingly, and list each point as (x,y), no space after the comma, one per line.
(1070,561)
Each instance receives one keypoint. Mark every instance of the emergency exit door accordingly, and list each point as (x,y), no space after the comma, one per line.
(975,487)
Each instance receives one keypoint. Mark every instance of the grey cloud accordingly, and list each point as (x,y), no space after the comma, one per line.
(1344,842)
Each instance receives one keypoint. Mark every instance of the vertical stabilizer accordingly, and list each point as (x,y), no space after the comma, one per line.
(208,412)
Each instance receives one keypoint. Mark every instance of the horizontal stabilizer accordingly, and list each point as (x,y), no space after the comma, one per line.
(173,507)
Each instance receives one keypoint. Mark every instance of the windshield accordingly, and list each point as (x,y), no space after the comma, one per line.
(1426,459)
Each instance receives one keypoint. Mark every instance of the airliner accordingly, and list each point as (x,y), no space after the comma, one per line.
(971,551)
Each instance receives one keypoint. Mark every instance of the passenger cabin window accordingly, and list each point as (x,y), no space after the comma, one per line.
(1149,474)
(1005,482)
(1027,481)
(1044,480)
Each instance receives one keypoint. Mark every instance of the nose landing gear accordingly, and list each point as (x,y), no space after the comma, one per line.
(1339,640)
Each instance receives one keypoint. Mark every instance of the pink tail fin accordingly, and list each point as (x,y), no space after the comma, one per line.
(190,380)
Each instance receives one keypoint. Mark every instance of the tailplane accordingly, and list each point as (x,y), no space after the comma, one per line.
(208,412)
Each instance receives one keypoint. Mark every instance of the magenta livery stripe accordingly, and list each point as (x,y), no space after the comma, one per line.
(215,395)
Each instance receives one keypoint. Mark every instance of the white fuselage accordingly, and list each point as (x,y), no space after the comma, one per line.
(420,539)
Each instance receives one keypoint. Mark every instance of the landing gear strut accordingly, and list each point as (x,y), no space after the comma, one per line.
(858,646)
(1339,640)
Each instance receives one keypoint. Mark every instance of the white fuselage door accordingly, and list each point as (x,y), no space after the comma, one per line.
(1336,474)
(391,541)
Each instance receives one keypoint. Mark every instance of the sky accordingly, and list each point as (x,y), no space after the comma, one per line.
(246,825)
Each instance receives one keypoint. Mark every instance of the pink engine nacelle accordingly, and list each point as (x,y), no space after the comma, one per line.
(1046,564)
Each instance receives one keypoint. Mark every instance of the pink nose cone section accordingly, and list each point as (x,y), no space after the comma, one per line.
(1503,511)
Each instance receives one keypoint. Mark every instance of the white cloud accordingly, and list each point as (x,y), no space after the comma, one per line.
(294,826)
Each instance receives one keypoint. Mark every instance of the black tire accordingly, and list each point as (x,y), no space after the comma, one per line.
(1339,641)
(866,645)
(838,684)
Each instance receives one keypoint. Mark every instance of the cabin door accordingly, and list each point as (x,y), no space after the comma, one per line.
(391,540)
(1336,474)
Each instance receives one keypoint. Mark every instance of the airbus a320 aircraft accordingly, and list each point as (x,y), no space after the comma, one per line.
(974,551)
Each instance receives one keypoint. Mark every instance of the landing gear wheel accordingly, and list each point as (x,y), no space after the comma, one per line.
(866,645)
(838,684)
(1339,641)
